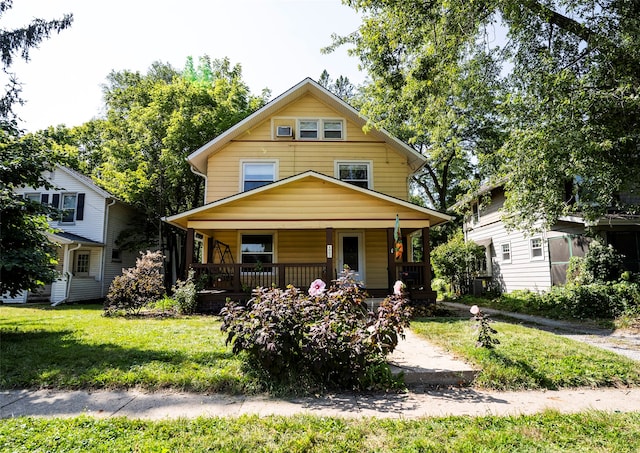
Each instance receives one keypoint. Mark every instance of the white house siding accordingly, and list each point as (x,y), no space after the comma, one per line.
(523,271)
(92,226)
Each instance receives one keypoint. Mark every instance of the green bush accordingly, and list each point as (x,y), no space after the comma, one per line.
(596,300)
(602,263)
(185,294)
(137,286)
(457,262)
(328,335)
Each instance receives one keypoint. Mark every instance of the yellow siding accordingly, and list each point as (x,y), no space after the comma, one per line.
(390,170)
(376,254)
(309,246)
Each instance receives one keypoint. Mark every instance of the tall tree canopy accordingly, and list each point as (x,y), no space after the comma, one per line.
(557,101)
(153,121)
(26,255)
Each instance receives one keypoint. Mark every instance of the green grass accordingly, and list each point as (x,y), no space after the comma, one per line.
(546,432)
(528,358)
(76,347)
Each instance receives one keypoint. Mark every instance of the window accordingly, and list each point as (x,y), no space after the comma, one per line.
(506,252)
(475,213)
(81,265)
(116,256)
(257,174)
(33,197)
(356,173)
(308,128)
(536,249)
(332,129)
(68,207)
(257,249)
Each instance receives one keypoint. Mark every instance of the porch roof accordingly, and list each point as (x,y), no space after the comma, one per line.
(64,238)
(309,200)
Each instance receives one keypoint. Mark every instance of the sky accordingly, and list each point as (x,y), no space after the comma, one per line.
(277,43)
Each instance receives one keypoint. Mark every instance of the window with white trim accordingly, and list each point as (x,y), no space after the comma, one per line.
(332,129)
(536,249)
(68,207)
(356,173)
(257,249)
(33,197)
(505,250)
(308,129)
(475,214)
(81,264)
(320,128)
(257,174)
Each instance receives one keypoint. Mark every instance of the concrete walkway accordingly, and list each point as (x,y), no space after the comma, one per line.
(424,366)
(453,401)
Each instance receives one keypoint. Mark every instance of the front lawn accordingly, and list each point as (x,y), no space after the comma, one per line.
(72,347)
(75,346)
(528,358)
(546,432)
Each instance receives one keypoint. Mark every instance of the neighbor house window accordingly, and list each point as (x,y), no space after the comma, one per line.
(356,173)
(68,206)
(116,256)
(308,128)
(475,213)
(81,265)
(536,249)
(257,249)
(506,252)
(33,197)
(256,174)
(332,129)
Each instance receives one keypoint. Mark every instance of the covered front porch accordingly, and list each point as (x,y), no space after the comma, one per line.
(302,228)
(224,277)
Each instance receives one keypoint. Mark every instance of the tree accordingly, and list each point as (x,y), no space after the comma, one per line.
(557,103)
(153,122)
(26,255)
(341,87)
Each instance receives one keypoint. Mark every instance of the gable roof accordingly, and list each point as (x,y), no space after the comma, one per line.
(85,180)
(382,202)
(198,158)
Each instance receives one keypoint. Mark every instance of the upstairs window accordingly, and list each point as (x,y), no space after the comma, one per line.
(356,173)
(68,206)
(33,197)
(257,174)
(324,129)
(332,129)
(475,214)
(308,129)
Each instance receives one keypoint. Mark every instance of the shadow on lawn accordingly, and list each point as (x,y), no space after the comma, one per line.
(57,359)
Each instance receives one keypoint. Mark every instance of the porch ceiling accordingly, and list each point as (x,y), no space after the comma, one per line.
(308,201)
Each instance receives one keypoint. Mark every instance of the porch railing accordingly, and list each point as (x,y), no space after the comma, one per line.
(412,274)
(244,277)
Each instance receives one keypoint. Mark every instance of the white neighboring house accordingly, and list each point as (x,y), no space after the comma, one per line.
(88,257)
(518,260)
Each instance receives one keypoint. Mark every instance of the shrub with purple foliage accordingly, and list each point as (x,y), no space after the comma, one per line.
(329,335)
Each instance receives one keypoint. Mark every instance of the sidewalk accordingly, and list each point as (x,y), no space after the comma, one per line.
(424,366)
(456,401)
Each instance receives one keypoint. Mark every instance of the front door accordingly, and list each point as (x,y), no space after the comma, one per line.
(351,253)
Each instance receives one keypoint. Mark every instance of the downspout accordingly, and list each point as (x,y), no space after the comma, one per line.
(104,241)
(203,176)
(66,272)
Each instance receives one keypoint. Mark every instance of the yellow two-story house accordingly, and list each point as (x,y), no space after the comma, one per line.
(298,190)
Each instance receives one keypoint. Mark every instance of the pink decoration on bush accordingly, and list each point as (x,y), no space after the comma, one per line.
(398,288)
